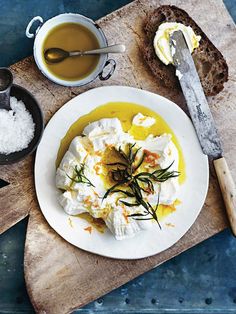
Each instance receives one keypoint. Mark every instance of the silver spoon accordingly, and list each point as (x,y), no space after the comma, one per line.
(55,55)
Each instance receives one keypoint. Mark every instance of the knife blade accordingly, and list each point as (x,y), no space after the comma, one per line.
(195,97)
(203,121)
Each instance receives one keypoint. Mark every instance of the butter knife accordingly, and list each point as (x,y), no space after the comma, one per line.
(203,121)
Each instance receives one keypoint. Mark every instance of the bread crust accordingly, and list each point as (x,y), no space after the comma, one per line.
(210,63)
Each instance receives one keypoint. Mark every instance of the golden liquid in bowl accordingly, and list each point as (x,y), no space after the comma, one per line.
(72,36)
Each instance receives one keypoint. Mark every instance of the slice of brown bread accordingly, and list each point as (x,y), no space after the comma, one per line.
(211,65)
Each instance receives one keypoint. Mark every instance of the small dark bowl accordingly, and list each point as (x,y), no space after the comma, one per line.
(32,106)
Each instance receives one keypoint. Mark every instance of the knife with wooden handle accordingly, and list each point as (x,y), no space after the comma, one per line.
(203,121)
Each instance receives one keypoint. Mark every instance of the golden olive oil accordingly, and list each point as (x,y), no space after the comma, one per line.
(96,223)
(72,37)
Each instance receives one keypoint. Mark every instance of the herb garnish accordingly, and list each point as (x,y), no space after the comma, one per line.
(79,176)
(125,175)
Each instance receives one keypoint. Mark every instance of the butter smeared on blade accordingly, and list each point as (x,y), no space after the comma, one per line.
(162,39)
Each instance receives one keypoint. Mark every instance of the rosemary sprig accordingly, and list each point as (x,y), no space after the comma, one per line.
(80,176)
(124,174)
(159,175)
(113,188)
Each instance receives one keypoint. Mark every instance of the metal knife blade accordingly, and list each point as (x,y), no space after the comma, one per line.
(196,100)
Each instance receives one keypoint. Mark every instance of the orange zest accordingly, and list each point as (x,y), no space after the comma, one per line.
(89,229)
(87,200)
(98,153)
(97,167)
(125,214)
(151,158)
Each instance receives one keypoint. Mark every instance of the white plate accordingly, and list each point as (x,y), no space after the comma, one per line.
(146,243)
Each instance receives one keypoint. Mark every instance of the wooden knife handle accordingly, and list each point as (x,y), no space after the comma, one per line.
(228,190)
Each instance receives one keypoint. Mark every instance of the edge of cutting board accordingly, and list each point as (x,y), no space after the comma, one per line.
(60,277)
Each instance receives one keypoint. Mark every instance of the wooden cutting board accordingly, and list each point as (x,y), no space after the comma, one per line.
(60,277)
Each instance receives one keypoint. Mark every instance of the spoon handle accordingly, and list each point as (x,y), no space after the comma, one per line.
(109,49)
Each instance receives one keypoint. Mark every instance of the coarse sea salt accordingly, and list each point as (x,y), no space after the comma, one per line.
(16,127)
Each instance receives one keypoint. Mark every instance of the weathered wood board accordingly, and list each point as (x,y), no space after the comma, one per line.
(60,277)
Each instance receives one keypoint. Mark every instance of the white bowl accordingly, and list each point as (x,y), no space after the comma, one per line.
(41,33)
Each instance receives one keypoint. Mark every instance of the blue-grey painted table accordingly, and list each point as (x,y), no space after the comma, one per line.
(201,280)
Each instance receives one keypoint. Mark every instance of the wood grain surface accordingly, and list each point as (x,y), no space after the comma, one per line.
(60,277)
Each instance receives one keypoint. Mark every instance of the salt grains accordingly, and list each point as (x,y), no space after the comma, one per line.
(16,128)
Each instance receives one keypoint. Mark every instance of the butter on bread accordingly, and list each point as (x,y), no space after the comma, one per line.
(210,63)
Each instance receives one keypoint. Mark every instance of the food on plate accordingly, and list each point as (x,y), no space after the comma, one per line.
(211,65)
(16,127)
(144,121)
(72,36)
(123,179)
